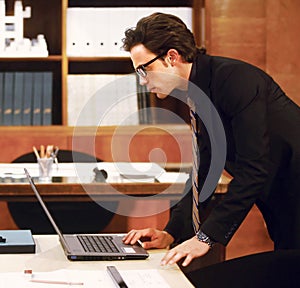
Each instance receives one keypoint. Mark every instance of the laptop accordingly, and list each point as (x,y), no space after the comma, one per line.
(91,247)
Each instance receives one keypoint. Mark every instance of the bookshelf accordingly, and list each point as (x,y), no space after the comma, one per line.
(50,18)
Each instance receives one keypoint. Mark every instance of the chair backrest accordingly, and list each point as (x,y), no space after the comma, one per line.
(67,156)
(72,217)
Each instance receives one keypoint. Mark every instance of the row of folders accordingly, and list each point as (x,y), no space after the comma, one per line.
(95,31)
(26,98)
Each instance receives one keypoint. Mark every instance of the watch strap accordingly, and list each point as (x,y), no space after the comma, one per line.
(201,236)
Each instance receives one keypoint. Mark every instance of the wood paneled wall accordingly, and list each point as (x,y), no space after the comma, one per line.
(159,143)
(262,32)
(237,29)
(283,44)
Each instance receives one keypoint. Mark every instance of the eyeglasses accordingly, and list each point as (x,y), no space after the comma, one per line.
(141,71)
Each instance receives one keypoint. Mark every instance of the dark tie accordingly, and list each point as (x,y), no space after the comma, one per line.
(195,212)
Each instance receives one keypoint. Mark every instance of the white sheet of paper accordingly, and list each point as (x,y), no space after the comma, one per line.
(134,279)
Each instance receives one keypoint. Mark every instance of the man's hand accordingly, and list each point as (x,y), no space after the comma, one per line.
(190,249)
(157,238)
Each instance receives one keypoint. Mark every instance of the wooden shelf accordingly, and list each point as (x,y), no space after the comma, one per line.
(94,59)
(163,129)
(30,59)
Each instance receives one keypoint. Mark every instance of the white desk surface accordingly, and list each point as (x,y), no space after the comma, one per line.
(49,257)
(85,171)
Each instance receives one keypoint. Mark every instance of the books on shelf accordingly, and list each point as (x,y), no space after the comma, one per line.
(97,31)
(7,98)
(100,100)
(47,98)
(37,99)
(26,98)
(18,98)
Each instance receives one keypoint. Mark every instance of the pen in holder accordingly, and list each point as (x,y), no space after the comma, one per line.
(54,156)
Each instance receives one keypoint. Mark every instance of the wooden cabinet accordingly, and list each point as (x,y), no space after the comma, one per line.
(50,18)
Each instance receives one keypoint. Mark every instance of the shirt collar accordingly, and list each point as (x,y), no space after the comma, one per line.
(200,73)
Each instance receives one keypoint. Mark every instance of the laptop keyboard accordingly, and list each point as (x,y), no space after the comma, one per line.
(96,243)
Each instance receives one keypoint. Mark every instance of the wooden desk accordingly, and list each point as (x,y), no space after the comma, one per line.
(69,191)
(75,182)
(50,257)
(72,191)
(103,191)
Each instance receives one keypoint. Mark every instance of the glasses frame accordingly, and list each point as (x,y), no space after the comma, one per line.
(141,71)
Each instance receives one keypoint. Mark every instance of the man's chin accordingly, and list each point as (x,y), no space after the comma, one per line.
(161,95)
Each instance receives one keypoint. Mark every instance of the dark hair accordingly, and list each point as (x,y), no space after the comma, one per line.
(160,32)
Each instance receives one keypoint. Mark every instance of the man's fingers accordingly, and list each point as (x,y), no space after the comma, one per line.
(171,257)
(130,237)
(148,244)
(174,257)
(187,260)
(134,235)
(166,259)
(151,244)
(189,250)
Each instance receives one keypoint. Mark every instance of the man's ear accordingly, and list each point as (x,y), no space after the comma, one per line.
(173,56)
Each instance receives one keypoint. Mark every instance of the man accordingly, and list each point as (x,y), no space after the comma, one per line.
(263,145)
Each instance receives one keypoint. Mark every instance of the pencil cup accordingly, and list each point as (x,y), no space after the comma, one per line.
(45,169)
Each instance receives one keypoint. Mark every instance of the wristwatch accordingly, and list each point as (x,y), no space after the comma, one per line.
(201,236)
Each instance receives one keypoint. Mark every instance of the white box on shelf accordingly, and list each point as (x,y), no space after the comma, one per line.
(99,31)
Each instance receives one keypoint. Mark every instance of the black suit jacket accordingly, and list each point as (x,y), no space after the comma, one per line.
(263,150)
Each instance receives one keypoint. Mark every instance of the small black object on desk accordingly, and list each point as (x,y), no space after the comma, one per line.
(100,175)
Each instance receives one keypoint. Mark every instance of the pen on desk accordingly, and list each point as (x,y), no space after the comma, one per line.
(116,277)
(55,282)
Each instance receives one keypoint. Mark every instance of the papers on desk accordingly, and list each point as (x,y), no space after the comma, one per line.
(79,278)
(128,172)
(173,177)
(118,172)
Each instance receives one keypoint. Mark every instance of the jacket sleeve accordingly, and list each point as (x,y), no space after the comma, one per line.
(180,223)
(242,98)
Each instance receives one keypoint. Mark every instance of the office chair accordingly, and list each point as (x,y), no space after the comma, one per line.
(71,217)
